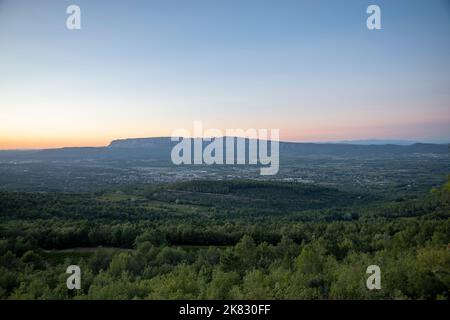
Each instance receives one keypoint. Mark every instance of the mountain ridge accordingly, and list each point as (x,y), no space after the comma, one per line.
(160,149)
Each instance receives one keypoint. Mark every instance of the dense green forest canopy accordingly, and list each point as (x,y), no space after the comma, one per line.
(224,240)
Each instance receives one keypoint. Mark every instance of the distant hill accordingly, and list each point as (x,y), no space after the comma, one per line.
(378,142)
(160,149)
(141,143)
(388,141)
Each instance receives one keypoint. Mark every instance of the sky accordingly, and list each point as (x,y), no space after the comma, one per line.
(145,68)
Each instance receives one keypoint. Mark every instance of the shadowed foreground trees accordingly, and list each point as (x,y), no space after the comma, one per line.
(290,256)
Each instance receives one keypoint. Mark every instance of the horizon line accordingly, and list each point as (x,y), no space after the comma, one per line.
(390,141)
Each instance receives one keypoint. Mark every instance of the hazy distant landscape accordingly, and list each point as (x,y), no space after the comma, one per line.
(373,168)
(143,228)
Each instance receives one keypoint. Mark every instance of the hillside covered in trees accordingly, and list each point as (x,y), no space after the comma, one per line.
(224,240)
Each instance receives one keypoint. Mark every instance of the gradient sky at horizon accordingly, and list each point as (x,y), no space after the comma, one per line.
(144,68)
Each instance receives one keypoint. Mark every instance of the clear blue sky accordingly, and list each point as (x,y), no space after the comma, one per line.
(144,68)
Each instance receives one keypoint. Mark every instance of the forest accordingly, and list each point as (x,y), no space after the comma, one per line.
(237,239)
